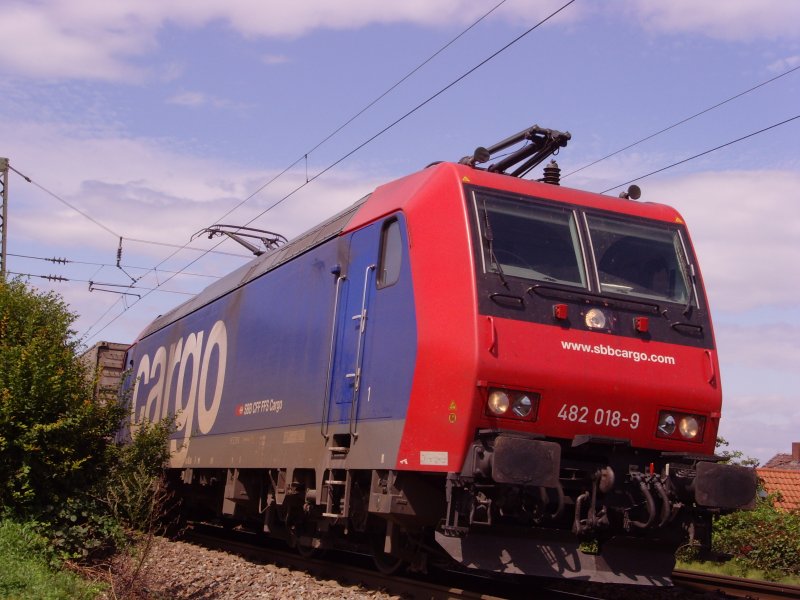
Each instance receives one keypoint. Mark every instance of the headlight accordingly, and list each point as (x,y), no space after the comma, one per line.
(689,427)
(498,402)
(682,427)
(595,319)
(522,406)
(512,404)
(666,424)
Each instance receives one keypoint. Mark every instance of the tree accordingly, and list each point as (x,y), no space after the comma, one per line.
(54,436)
(735,457)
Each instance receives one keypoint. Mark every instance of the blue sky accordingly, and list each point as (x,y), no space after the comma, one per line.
(156,118)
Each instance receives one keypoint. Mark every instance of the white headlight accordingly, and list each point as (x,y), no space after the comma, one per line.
(595,319)
(666,424)
(689,427)
(498,402)
(522,406)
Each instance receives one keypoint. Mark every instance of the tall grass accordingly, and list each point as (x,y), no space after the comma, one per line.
(26,573)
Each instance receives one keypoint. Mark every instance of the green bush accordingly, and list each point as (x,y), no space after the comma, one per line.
(60,465)
(135,492)
(53,434)
(765,538)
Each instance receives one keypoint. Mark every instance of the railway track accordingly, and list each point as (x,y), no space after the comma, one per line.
(735,587)
(355,569)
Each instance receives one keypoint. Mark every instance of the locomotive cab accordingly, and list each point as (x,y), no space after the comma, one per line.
(597,393)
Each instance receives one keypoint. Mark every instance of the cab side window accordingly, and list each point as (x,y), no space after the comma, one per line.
(391,254)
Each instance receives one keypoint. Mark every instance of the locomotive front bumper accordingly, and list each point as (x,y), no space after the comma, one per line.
(512,510)
(518,459)
(725,486)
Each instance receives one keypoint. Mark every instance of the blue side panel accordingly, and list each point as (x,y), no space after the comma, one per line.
(259,357)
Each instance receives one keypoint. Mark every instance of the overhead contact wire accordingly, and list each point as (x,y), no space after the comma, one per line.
(304,157)
(682,121)
(366,142)
(97,264)
(685,160)
(105,227)
(413,110)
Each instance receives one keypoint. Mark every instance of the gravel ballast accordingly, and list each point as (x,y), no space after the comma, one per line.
(175,569)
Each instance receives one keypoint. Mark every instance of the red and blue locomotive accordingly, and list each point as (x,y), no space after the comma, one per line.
(464,365)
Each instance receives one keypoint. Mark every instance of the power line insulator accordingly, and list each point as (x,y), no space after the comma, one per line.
(552,173)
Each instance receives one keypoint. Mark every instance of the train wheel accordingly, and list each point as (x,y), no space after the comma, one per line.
(302,533)
(302,541)
(308,551)
(386,563)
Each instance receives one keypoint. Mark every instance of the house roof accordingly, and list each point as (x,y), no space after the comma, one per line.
(783,461)
(786,481)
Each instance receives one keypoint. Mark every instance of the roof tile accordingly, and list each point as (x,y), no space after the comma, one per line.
(785,481)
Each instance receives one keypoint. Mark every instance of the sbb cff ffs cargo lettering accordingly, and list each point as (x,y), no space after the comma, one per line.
(464,367)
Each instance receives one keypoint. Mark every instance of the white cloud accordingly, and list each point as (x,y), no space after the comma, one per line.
(760,426)
(100,40)
(274,59)
(732,20)
(197,99)
(774,346)
(97,39)
(141,188)
(744,231)
(188,99)
(138,187)
(784,64)
(45,41)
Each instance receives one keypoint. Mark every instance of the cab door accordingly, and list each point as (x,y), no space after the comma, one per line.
(355,291)
(373,263)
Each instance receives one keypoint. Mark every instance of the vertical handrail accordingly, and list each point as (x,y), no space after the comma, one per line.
(362,318)
(331,352)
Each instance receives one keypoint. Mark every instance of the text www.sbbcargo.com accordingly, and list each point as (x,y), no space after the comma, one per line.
(607,350)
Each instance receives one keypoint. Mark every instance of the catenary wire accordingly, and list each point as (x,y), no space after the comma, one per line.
(709,151)
(70,280)
(108,310)
(682,121)
(97,264)
(108,229)
(405,77)
(372,138)
(412,111)
(60,199)
(347,122)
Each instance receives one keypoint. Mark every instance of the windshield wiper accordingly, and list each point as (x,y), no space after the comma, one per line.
(489,237)
(547,291)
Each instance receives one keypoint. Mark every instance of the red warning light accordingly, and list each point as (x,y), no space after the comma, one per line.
(560,311)
(641,324)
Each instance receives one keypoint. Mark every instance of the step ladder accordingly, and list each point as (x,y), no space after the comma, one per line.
(337,484)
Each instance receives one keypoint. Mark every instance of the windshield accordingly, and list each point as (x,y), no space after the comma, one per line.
(531,241)
(638,259)
(543,243)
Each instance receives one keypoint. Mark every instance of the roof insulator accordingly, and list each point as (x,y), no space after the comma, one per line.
(552,173)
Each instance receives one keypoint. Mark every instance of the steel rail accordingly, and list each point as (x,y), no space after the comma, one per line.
(734,586)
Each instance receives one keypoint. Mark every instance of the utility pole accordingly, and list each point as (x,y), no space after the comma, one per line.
(3,216)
